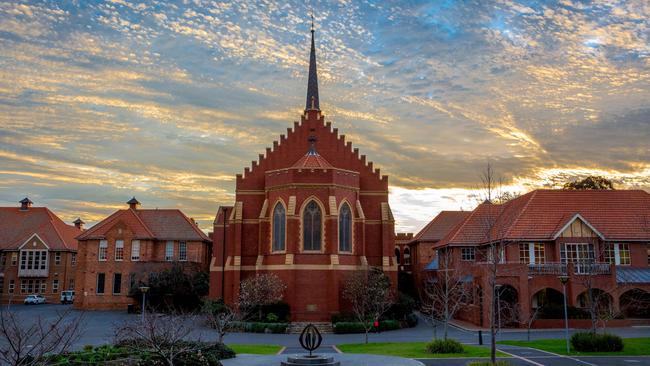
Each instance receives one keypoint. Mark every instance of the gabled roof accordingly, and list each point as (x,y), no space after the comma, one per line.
(156,224)
(543,214)
(437,228)
(17,226)
(312,160)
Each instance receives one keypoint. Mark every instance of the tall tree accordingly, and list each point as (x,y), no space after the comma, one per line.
(591,182)
(259,290)
(370,294)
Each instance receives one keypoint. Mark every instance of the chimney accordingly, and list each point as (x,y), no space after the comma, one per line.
(25,204)
(78,223)
(133,203)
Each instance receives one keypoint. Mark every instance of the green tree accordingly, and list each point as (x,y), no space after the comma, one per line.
(591,182)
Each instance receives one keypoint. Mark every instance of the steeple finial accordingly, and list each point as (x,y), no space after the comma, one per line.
(312,83)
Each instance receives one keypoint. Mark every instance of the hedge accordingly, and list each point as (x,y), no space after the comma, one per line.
(357,327)
(591,342)
(259,327)
(443,346)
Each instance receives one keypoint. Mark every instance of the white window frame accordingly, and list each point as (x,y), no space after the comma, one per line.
(182,251)
(102,255)
(73,259)
(57,257)
(135,250)
(169,247)
(55,286)
(119,244)
(471,255)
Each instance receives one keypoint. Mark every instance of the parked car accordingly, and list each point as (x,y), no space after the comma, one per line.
(67,297)
(34,299)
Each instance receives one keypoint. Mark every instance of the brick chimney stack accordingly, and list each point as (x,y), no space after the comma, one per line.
(133,203)
(78,223)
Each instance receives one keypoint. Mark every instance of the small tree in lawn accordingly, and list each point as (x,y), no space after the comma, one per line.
(259,290)
(445,295)
(370,295)
(219,316)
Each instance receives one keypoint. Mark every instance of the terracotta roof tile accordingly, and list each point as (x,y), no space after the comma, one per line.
(442,224)
(17,226)
(312,160)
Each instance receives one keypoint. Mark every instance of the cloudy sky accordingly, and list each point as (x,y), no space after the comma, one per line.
(100,101)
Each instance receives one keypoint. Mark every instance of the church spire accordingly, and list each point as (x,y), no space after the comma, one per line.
(312,84)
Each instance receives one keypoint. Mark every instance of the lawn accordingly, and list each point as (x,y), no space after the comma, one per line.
(632,347)
(412,350)
(255,349)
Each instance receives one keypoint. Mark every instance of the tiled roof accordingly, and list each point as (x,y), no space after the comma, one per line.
(541,214)
(440,225)
(312,160)
(632,275)
(160,224)
(17,226)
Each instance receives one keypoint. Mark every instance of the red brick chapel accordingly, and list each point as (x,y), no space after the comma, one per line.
(310,210)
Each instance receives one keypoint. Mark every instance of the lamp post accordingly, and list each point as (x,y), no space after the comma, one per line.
(144,290)
(564,279)
(223,257)
(497,288)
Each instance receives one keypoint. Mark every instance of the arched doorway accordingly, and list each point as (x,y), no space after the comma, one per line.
(598,300)
(547,298)
(507,306)
(635,303)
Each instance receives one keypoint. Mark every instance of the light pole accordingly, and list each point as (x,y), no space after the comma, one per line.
(497,287)
(223,256)
(144,290)
(564,279)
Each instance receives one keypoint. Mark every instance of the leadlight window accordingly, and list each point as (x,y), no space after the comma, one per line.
(279,227)
(103,250)
(135,250)
(582,255)
(524,253)
(618,254)
(55,286)
(119,250)
(532,253)
(467,254)
(169,251)
(311,221)
(345,228)
(33,259)
(182,251)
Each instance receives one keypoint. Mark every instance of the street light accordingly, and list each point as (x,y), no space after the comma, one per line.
(144,290)
(564,279)
(497,288)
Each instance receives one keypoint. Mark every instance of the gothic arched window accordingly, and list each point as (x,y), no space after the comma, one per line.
(345,228)
(397,255)
(311,223)
(407,256)
(279,227)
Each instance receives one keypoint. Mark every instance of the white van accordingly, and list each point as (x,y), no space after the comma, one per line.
(67,297)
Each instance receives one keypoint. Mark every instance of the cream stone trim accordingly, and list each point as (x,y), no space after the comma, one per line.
(334,259)
(239,208)
(288,259)
(385,261)
(323,238)
(257,192)
(373,193)
(333,210)
(311,186)
(237,261)
(259,261)
(251,221)
(352,230)
(386,213)
(291,209)
(277,202)
(299,169)
(264,208)
(364,260)
(360,213)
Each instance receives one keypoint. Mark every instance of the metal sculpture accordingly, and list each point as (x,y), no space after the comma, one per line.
(310,338)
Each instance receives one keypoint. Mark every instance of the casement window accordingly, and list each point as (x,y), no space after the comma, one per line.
(33,259)
(30,286)
(468,254)
(182,251)
(532,253)
(103,250)
(12,286)
(101,279)
(345,228)
(135,250)
(169,251)
(581,255)
(55,286)
(117,283)
(618,254)
(71,284)
(119,250)
(57,258)
(311,223)
(73,259)
(14,259)
(43,286)
(279,228)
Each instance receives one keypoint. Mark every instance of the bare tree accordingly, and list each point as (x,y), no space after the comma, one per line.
(370,294)
(27,340)
(259,290)
(446,293)
(220,317)
(531,319)
(165,335)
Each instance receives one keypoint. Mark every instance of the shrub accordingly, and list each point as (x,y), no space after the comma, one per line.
(591,342)
(342,317)
(388,325)
(404,306)
(259,327)
(348,327)
(411,320)
(272,318)
(207,354)
(444,346)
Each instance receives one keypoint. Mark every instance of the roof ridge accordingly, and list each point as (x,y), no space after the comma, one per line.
(192,224)
(134,212)
(100,224)
(456,229)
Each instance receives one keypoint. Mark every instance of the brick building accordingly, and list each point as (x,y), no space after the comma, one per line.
(37,253)
(599,239)
(311,210)
(124,248)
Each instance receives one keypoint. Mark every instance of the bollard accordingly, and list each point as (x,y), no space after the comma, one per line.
(480,337)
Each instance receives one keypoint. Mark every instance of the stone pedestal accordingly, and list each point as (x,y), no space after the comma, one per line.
(306,360)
